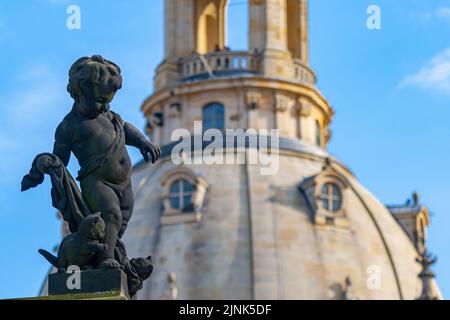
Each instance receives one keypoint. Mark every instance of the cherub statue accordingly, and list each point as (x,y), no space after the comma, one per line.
(97,137)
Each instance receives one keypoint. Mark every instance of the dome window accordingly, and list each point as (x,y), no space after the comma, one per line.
(327,195)
(183,196)
(213,116)
(180,196)
(331,197)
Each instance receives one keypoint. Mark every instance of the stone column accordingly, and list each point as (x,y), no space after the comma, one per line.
(304,54)
(268,36)
(179,28)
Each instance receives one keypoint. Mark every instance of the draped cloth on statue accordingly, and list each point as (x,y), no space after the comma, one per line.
(67,198)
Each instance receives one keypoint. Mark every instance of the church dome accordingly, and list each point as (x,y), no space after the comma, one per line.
(272,237)
(227,231)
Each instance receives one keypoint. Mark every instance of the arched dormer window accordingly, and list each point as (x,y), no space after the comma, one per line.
(326,193)
(183,196)
(331,197)
(180,196)
(213,116)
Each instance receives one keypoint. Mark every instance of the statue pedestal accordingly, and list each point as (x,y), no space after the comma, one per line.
(88,285)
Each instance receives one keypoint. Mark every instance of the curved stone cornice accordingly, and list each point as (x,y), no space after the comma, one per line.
(292,146)
(248,82)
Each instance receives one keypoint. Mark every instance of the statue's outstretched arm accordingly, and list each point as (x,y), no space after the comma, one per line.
(40,164)
(134,138)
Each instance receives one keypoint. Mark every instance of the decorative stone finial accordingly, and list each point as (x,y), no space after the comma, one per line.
(172,278)
(415,198)
(426,275)
(347,292)
(343,291)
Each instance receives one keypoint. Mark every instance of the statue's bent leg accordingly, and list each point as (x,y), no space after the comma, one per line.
(101,198)
(126,205)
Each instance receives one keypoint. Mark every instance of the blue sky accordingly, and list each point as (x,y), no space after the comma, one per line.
(390,89)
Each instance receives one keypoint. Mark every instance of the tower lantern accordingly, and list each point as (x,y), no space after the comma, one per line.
(268,86)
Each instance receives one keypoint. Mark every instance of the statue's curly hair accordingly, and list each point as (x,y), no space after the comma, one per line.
(95,69)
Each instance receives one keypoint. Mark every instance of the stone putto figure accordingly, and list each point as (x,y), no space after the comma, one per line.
(97,137)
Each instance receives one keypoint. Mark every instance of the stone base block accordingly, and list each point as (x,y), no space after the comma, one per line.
(93,284)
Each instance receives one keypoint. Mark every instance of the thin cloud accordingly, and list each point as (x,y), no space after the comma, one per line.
(439,14)
(433,76)
(443,12)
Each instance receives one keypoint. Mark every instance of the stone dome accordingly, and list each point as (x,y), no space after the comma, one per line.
(310,231)
(268,237)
